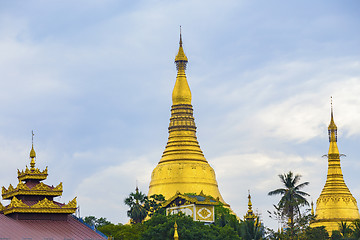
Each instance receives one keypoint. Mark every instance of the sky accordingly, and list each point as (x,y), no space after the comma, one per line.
(94,79)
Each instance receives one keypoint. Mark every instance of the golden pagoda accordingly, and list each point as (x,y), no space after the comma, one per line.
(32,199)
(183,167)
(336,202)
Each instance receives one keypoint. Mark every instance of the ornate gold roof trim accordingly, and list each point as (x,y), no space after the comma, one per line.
(40,189)
(34,174)
(192,200)
(43,206)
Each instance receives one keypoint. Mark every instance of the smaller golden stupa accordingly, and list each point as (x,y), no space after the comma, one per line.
(336,202)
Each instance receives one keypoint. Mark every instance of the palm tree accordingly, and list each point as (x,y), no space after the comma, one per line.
(292,198)
(356,229)
(345,229)
(136,202)
(252,230)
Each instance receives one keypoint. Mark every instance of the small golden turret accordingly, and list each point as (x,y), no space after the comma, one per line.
(336,202)
(176,235)
(183,167)
(250,214)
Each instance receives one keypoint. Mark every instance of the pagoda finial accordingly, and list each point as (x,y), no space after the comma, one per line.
(332,131)
(181,93)
(176,235)
(32,152)
(181,58)
(180,43)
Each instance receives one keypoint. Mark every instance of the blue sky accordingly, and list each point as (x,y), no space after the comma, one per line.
(94,79)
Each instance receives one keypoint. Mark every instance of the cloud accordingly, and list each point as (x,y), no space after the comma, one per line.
(110,186)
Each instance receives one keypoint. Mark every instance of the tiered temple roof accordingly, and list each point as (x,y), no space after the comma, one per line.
(32,197)
(32,212)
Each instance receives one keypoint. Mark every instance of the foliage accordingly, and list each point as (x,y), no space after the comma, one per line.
(356,229)
(141,206)
(345,229)
(136,201)
(316,233)
(96,222)
(292,198)
(161,227)
(224,217)
(336,235)
(153,204)
(123,232)
(251,230)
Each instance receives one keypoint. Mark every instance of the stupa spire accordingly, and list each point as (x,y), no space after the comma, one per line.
(336,202)
(181,93)
(183,167)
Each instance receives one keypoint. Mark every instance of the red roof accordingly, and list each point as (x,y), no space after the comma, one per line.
(41,229)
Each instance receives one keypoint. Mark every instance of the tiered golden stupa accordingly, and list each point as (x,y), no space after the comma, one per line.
(32,199)
(183,167)
(336,202)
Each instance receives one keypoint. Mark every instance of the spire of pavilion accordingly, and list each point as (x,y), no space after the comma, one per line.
(250,214)
(32,152)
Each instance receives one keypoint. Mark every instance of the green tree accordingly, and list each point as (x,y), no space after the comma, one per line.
(123,232)
(153,204)
(161,227)
(136,202)
(292,197)
(96,222)
(336,235)
(252,230)
(223,217)
(345,229)
(356,229)
(316,233)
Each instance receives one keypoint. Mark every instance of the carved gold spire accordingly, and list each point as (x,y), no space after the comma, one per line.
(176,235)
(181,93)
(336,202)
(250,214)
(183,166)
(32,152)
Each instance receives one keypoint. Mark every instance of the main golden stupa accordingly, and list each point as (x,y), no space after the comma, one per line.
(336,202)
(183,167)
